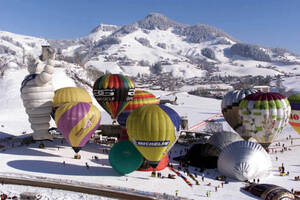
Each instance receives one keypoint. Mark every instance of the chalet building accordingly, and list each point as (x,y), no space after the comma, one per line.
(262,88)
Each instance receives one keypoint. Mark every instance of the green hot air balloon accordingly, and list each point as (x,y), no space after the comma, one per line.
(124,157)
(264,115)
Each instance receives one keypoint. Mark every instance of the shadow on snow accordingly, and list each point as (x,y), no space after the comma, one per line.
(50,167)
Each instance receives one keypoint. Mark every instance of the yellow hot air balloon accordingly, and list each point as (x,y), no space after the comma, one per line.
(153,129)
(70,94)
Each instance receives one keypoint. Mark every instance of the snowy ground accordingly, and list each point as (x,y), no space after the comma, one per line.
(48,162)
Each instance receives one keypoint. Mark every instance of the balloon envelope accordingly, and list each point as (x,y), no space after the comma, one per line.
(244,160)
(153,129)
(264,115)
(70,94)
(230,109)
(113,92)
(77,122)
(295,112)
(124,157)
(140,98)
(224,138)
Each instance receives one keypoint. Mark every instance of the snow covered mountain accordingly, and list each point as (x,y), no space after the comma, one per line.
(155,45)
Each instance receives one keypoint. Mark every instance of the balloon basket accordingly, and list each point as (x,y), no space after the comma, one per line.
(77,156)
(162,165)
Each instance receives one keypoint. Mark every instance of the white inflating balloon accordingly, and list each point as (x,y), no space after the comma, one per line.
(37,94)
(244,160)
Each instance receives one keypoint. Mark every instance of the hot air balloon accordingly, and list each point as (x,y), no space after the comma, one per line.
(124,157)
(153,129)
(37,95)
(264,115)
(230,109)
(295,113)
(244,160)
(269,192)
(70,94)
(221,139)
(77,122)
(140,98)
(113,92)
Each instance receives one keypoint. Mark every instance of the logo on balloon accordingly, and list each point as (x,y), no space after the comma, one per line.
(294,116)
(130,94)
(152,143)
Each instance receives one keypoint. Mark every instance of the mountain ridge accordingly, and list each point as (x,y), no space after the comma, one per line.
(179,50)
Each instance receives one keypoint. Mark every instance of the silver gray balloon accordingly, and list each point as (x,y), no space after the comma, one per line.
(222,139)
(230,109)
(37,94)
(244,160)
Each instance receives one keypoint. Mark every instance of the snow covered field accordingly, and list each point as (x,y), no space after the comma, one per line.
(48,162)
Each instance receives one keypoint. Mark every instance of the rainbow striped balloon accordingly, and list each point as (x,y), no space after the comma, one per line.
(112,92)
(77,121)
(140,98)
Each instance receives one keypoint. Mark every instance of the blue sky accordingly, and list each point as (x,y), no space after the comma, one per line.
(271,23)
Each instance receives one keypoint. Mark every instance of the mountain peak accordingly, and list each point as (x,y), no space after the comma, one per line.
(159,21)
(105,28)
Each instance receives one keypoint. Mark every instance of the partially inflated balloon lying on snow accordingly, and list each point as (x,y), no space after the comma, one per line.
(124,157)
(77,122)
(244,160)
(295,113)
(153,129)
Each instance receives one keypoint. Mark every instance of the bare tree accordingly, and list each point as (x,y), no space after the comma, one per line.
(4,64)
